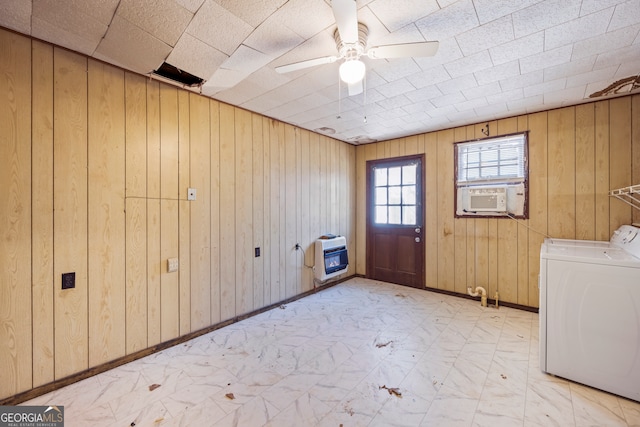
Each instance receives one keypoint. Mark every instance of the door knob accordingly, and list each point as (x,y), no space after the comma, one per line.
(417,239)
(417,229)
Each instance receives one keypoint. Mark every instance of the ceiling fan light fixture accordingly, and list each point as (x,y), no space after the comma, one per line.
(352,71)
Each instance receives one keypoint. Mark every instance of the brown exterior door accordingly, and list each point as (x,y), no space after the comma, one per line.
(395,218)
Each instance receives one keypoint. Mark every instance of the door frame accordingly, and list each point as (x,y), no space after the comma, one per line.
(370,208)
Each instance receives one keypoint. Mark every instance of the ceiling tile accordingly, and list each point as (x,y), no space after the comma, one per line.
(472,104)
(246,60)
(567,69)
(72,24)
(519,48)
(305,17)
(196,57)
(522,80)
(590,6)
(482,91)
(397,87)
(16,15)
(500,72)
(164,19)
(144,52)
(417,107)
(461,83)
(625,14)
(603,74)
(448,51)
(275,39)
(469,64)
(544,15)
(449,21)
(190,5)
(576,30)
(394,16)
(563,96)
(424,94)
(428,77)
(486,36)
(449,99)
(542,88)
(505,96)
(545,59)
(218,27)
(254,14)
(605,42)
(488,10)
(526,105)
(394,102)
(618,56)
(394,69)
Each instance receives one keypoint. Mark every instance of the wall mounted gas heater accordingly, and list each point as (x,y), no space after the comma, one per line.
(331,257)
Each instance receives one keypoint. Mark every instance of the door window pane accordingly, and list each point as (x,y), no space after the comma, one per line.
(381,214)
(381,177)
(409,174)
(409,195)
(395,176)
(394,215)
(381,195)
(394,195)
(409,215)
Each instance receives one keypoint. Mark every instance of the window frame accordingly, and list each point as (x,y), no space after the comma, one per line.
(506,181)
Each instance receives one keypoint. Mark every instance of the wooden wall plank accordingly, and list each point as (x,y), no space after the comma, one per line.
(459,231)
(136,135)
(154,272)
(620,156)
(290,211)
(538,197)
(169,292)
(602,165)
(154,263)
(445,227)
(523,243)
(562,173)
(314,197)
(136,211)
(184,212)
(227,213)
(70,211)
(266,202)
(214,128)
(168,142)
(106,212)
(15,214)
(258,185)
(585,178)
(136,275)
(42,249)
(275,211)
(507,246)
(431,230)
(471,232)
(282,226)
(200,215)
(307,234)
(243,212)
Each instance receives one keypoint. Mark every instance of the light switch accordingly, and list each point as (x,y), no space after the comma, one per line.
(172,265)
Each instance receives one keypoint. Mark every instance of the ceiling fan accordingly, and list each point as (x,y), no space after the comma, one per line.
(351,41)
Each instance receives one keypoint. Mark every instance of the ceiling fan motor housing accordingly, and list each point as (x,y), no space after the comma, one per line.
(350,51)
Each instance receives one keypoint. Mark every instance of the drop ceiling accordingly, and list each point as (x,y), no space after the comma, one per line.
(496,58)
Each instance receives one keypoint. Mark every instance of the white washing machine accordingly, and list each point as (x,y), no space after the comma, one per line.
(590,312)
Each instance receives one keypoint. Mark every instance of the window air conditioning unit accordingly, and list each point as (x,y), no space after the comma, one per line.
(487,199)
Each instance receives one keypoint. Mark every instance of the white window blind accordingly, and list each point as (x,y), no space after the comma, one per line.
(493,160)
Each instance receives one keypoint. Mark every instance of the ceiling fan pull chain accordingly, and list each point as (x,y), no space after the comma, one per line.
(339,98)
(364,98)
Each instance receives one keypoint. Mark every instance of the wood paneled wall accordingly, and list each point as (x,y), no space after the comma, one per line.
(96,166)
(576,155)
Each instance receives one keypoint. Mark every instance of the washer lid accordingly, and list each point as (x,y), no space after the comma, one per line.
(593,255)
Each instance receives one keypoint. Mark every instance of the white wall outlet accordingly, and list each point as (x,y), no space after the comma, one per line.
(191,194)
(172,265)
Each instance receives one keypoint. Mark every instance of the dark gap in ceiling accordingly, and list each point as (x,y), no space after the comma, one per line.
(176,74)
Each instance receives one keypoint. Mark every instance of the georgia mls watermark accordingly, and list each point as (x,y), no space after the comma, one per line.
(31,416)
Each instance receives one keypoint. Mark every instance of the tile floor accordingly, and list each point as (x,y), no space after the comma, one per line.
(337,358)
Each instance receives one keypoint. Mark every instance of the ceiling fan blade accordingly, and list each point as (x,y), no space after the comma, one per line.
(404,50)
(355,88)
(306,64)
(345,12)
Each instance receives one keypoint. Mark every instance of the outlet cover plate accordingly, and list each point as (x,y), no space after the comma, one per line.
(172,265)
(191,193)
(68,280)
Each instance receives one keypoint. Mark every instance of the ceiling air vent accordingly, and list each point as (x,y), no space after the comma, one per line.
(170,72)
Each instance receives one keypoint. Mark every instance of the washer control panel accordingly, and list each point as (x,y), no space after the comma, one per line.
(627,237)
